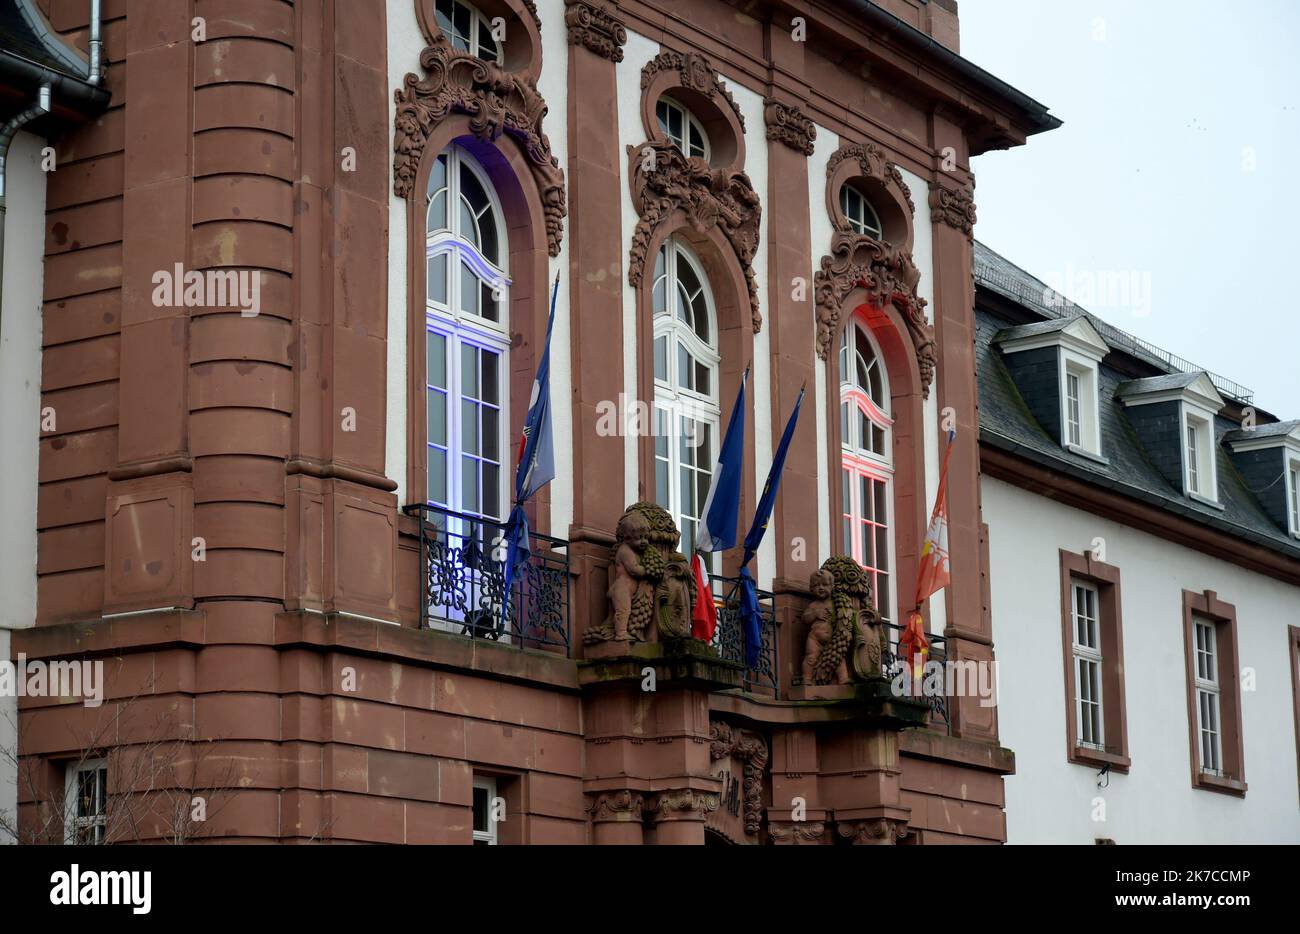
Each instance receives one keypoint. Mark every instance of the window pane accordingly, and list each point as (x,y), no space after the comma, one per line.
(480,809)
(469,370)
(468,290)
(661,482)
(491,433)
(436,360)
(685,370)
(882,548)
(882,510)
(436,270)
(437,492)
(437,218)
(469,427)
(491,363)
(491,491)
(437,418)
(661,358)
(865,500)
(488,302)
(469,484)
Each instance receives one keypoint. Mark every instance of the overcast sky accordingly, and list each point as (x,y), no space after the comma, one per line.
(1174,174)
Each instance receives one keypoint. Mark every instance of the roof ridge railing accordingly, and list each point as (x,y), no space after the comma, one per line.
(1022,292)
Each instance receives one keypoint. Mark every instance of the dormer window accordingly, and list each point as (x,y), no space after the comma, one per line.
(1179,406)
(859,213)
(1263,455)
(682,128)
(1054,364)
(467,29)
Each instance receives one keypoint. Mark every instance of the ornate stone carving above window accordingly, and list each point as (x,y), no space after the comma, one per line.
(664,181)
(866,166)
(954,207)
(531,6)
(595,27)
(497,102)
(789,125)
(694,72)
(889,277)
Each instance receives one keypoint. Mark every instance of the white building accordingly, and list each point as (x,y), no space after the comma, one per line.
(1145,582)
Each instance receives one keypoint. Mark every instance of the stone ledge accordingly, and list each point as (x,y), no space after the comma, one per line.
(682,662)
(927,744)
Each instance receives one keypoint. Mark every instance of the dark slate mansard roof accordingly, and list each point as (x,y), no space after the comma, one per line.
(1007,424)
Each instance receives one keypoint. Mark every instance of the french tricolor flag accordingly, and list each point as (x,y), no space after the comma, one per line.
(717,530)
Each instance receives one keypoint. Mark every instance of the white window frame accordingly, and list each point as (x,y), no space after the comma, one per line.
(72,823)
(673,402)
(690,122)
(1293,495)
(1086,417)
(1200,480)
(859,461)
(1209,739)
(1088,657)
(488,837)
(480,38)
(869,223)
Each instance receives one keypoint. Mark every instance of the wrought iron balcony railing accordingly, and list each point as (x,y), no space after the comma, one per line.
(729,639)
(462,560)
(892,665)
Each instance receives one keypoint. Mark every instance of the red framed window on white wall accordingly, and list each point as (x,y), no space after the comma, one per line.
(867,464)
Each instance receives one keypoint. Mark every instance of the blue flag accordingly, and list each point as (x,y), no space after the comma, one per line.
(536,456)
(749,611)
(722,507)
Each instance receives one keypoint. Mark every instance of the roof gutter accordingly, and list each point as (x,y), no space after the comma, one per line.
(912,38)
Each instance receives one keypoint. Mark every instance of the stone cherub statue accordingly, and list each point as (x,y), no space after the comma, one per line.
(843,627)
(651,588)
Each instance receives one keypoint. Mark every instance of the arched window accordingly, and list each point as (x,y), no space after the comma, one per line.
(867,472)
(466,339)
(467,29)
(687,412)
(682,128)
(859,213)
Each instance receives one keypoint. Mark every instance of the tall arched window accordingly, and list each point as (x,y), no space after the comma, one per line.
(467,29)
(687,413)
(466,339)
(867,472)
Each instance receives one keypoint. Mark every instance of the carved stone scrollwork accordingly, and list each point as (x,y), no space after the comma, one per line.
(750,748)
(696,72)
(954,207)
(876,831)
(594,27)
(496,101)
(651,585)
(796,833)
(531,6)
(617,806)
(682,804)
(665,181)
(873,163)
(789,125)
(889,276)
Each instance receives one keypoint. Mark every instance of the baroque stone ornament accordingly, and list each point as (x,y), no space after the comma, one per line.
(795,833)
(681,803)
(751,749)
(695,72)
(665,181)
(594,27)
(878,831)
(497,102)
(873,163)
(651,587)
(845,634)
(616,806)
(531,7)
(954,207)
(789,125)
(889,277)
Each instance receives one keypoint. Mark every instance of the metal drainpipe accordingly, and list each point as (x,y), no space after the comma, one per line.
(94,71)
(16,123)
